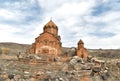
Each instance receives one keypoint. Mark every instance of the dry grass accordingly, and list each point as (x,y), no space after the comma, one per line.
(111,56)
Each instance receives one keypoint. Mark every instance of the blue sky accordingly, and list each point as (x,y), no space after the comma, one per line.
(96,22)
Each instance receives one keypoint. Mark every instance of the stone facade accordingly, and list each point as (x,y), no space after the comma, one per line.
(81,51)
(48,42)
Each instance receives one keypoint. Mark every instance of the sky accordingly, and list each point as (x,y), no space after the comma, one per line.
(96,22)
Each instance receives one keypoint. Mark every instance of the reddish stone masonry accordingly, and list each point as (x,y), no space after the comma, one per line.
(81,50)
(48,42)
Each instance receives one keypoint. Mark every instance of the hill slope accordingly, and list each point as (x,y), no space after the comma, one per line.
(15,48)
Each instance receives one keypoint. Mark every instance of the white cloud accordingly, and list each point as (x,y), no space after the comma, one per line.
(74,18)
(6,32)
(67,15)
(9,15)
(106,43)
(73,9)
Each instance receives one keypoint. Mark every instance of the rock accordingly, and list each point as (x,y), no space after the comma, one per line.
(89,58)
(104,76)
(85,67)
(5,75)
(96,69)
(0,68)
(78,67)
(118,64)
(37,57)
(32,79)
(17,76)
(96,78)
(10,76)
(65,67)
(46,79)
(73,62)
(2,79)
(85,78)
(10,80)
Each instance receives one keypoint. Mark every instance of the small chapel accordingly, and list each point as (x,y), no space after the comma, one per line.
(48,42)
(81,50)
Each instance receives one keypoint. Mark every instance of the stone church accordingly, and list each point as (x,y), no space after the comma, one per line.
(48,42)
(81,50)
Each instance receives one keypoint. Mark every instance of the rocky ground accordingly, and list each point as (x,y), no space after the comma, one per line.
(69,69)
(72,69)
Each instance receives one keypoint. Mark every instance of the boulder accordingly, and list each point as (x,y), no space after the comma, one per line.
(104,76)
(118,64)
(72,79)
(10,76)
(95,71)
(75,60)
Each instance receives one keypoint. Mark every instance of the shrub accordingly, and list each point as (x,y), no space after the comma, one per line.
(5,50)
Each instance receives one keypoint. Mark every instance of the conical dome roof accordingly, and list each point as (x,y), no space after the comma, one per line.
(51,24)
(80,42)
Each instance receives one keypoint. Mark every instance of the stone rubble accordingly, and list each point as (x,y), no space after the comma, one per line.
(73,69)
